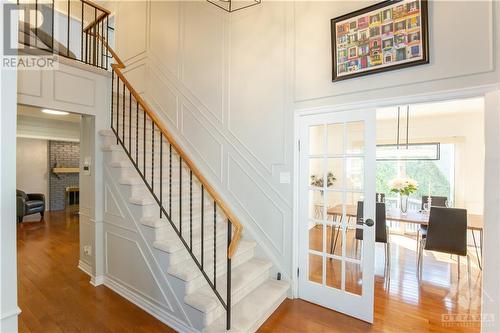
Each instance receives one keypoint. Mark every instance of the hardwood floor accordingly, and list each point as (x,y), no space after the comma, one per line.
(55,296)
(405,306)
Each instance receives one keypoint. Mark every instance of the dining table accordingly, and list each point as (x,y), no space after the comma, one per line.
(475,222)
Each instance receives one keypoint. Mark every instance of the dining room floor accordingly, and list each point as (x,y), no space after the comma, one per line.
(404,305)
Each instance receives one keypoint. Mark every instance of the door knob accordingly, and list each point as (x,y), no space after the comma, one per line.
(369,222)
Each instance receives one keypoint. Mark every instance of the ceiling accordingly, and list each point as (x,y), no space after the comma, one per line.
(452,107)
(35,112)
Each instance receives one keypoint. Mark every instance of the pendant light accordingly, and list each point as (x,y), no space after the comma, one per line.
(234,5)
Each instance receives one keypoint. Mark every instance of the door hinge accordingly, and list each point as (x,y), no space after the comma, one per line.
(298,272)
(298,143)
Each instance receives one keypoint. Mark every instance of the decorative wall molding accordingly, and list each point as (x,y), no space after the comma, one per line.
(135,245)
(151,308)
(217,171)
(279,249)
(64,88)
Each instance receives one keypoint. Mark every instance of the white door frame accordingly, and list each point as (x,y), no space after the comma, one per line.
(491,272)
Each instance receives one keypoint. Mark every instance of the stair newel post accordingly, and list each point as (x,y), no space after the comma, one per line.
(228,290)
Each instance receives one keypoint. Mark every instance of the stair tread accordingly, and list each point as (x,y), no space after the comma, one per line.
(204,298)
(248,314)
(187,270)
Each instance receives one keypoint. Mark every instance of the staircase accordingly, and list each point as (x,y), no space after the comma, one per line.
(194,236)
(254,294)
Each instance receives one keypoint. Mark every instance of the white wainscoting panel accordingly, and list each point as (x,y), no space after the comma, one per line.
(120,253)
(258,73)
(260,207)
(202,141)
(131,37)
(30,83)
(164,38)
(202,66)
(72,88)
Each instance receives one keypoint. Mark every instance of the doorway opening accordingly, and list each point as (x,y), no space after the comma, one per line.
(430,173)
(418,171)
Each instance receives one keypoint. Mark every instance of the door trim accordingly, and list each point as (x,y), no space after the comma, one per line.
(479,91)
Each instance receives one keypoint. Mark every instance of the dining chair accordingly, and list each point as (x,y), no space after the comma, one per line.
(436,201)
(380,197)
(447,233)
(381,233)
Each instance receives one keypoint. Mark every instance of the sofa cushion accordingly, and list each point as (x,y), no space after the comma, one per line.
(34,204)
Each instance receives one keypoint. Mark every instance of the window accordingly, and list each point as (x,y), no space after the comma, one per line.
(439,174)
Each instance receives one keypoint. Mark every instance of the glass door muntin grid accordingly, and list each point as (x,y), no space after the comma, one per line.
(342,221)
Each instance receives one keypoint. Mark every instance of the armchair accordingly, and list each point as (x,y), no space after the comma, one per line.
(28,204)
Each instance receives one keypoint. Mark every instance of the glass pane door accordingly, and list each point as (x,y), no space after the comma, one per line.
(336,252)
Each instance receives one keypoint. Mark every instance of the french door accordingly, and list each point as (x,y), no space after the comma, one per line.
(337,211)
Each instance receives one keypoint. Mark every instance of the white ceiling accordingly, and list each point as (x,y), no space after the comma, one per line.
(36,112)
(452,107)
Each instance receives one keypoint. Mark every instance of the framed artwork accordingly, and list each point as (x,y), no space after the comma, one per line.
(386,36)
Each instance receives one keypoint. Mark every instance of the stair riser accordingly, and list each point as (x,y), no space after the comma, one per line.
(200,281)
(235,298)
(142,190)
(181,256)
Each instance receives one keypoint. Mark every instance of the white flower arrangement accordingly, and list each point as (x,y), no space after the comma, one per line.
(403,186)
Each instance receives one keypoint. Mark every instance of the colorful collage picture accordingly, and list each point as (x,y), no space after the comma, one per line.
(378,39)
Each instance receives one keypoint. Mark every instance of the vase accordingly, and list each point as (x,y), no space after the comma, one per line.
(403,203)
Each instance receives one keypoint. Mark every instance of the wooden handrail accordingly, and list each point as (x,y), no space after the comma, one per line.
(238,228)
(96,21)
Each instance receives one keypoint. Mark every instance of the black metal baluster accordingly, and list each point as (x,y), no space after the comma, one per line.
(107,39)
(86,47)
(112,87)
(137,134)
(191,210)
(36,24)
(215,245)
(161,174)
(152,156)
(123,115)
(202,224)
(81,41)
(144,145)
(69,23)
(53,19)
(117,108)
(95,40)
(180,194)
(129,122)
(228,282)
(170,182)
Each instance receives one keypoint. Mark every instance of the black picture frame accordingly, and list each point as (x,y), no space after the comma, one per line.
(375,50)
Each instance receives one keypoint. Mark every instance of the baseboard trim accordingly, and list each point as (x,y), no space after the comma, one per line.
(85,267)
(97,280)
(147,306)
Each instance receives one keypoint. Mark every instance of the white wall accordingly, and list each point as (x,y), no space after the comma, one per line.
(39,128)
(32,170)
(227,86)
(8,269)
